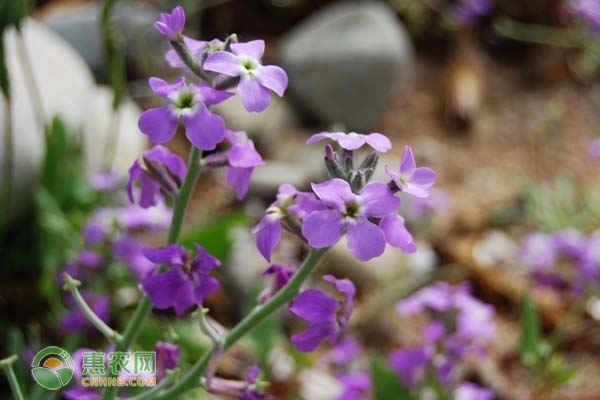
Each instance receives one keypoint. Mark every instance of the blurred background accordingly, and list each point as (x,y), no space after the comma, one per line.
(499,97)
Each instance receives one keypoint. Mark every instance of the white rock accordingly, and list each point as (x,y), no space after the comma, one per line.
(66,89)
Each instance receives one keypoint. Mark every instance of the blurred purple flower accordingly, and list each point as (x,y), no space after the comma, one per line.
(327,317)
(94,233)
(280,275)
(187,102)
(349,213)
(470,391)
(105,181)
(90,259)
(410,363)
(256,79)
(344,352)
(539,250)
(160,170)
(75,321)
(136,218)
(357,386)
(128,250)
(354,141)
(410,179)
(187,282)
(167,357)
(467,12)
(242,158)
(171,25)
(589,12)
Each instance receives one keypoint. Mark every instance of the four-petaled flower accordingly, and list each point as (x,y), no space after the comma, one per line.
(186,283)
(160,169)
(171,25)
(242,158)
(354,141)
(244,61)
(348,212)
(410,179)
(187,102)
(327,317)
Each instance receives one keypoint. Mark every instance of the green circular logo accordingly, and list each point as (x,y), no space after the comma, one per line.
(52,368)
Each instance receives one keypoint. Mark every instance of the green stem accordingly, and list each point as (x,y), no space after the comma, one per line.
(534,33)
(185,55)
(145,305)
(260,313)
(6,364)
(72,286)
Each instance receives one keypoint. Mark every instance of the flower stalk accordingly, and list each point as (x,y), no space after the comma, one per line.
(71,285)
(6,364)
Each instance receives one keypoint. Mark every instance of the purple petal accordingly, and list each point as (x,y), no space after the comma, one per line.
(172,161)
(255,97)
(79,393)
(308,340)
(253,49)
(195,48)
(171,255)
(244,155)
(378,142)
(205,130)
(164,88)
(423,177)
(350,141)
(334,192)
(322,228)
(149,192)
(415,190)
(163,288)
(269,234)
(272,77)
(134,173)
(211,95)
(470,391)
(410,364)
(158,124)
(225,63)
(378,200)
(396,233)
(239,179)
(365,239)
(129,251)
(184,298)
(407,165)
(317,137)
(313,305)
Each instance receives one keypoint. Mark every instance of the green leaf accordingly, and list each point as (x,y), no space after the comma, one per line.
(386,383)
(532,345)
(215,236)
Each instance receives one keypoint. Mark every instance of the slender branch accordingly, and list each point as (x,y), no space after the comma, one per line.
(145,305)
(206,326)
(6,364)
(72,286)
(259,314)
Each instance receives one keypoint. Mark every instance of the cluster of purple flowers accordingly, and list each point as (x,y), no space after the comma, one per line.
(111,235)
(564,260)
(460,326)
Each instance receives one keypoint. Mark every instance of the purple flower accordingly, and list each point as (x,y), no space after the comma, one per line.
(94,233)
(187,102)
(280,275)
(171,25)
(256,79)
(242,158)
(186,282)
(349,213)
(167,357)
(539,250)
(410,179)
(353,140)
(470,391)
(396,233)
(137,218)
(589,264)
(289,202)
(468,11)
(251,392)
(76,321)
(593,149)
(160,169)
(327,316)
(129,251)
(344,352)
(357,386)
(105,181)
(588,11)
(410,363)
(80,393)
(90,259)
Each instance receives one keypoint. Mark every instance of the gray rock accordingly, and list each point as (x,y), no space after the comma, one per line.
(343,61)
(80,27)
